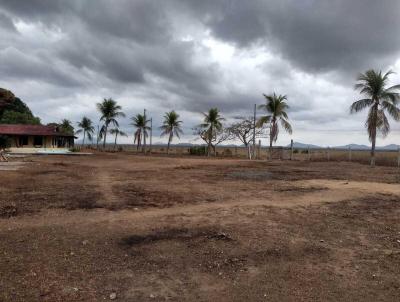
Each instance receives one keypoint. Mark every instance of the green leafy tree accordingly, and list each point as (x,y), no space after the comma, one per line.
(276,108)
(212,124)
(171,127)
(140,122)
(117,132)
(379,99)
(66,127)
(110,111)
(15,117)
(86,127)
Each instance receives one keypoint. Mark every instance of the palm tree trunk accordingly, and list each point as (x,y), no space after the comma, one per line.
(144,141)
(270,141)
(105,136)
(373,136)
(169,142)
(115,142)
(373,151)
(139,139)
(84,135)
(209,142)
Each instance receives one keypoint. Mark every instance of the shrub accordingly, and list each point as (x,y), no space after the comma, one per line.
(5,142)
(198,150)
(75,149)
(227,152)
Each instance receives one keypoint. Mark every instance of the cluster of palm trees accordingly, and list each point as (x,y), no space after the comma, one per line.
(379,98)
(110,112)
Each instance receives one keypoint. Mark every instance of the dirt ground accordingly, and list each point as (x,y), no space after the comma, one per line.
(133,228)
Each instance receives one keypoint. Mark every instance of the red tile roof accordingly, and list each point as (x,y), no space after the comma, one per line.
(6,129)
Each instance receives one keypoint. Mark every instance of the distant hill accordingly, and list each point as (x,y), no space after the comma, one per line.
(353,147)
(298,145)
(391,147)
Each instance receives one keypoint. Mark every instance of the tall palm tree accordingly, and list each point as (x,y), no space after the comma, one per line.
(171,126)
(372,85)
(110,111)
(86,126)
(117,132)
(276,108)
(141,124)
(212,123)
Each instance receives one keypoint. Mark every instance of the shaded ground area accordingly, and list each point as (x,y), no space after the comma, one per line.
(190,229)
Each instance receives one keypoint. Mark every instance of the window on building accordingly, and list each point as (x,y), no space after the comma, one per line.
(38,141)
(23,140)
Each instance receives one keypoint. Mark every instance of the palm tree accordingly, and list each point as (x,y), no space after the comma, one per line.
(276,108)
(379,99)
(212,123)
(171,126)
(109,110)
(117,133)
(86,126)
(66,127)
(140,123)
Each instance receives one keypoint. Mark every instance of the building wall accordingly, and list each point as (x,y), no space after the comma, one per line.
(48,142)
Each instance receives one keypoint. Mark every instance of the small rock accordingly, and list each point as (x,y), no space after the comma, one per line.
(322,240)
(398,240)
(84,242)
(113,296)
(152,296)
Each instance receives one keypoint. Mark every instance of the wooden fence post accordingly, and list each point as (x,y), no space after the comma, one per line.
(259,149)
(291,149)
(398,157)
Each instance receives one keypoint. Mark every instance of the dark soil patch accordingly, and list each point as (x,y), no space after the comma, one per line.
(175,234)
(250,175)
(300,189)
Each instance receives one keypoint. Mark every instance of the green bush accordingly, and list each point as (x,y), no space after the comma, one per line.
(5,142)
(198,150)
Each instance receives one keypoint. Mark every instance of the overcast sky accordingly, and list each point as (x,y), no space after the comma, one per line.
(62,57)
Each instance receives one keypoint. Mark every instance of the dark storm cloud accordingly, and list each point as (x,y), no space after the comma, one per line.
(6,23)
(317,35)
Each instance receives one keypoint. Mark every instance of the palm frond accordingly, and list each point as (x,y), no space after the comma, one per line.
(286,126)
(360,105)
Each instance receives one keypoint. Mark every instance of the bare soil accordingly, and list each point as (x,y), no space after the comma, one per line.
(163,228)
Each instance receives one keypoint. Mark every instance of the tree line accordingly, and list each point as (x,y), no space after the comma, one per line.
(372,85)
(212,130)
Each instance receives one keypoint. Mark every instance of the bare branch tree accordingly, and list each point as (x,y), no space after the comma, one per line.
(244,131)
(219,136)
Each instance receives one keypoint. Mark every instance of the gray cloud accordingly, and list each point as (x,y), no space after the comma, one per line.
(153,54)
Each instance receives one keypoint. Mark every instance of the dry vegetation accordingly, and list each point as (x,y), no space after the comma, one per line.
(192,229)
